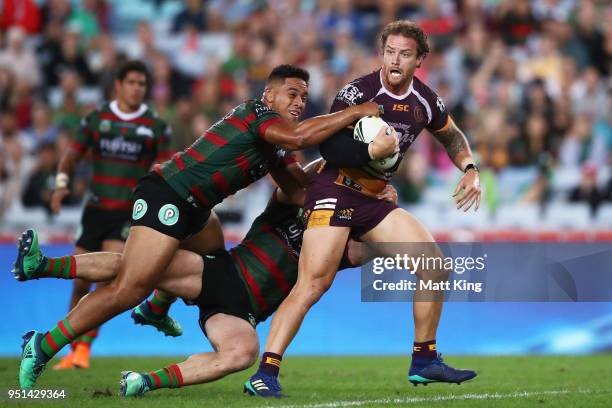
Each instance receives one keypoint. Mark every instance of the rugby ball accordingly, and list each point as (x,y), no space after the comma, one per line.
(365,131)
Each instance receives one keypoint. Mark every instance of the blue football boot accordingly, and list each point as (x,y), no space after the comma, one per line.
(263,385)
(438,371)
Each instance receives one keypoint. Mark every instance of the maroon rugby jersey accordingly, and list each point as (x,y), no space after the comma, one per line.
(410,113)
(418,108)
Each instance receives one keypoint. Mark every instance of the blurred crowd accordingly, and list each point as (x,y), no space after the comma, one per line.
(528,81)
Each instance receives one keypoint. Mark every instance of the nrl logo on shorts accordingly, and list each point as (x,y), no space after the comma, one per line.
(105,125)
(349,94)
(346,214)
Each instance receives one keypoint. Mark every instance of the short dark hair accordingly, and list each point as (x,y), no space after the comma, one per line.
(285,71)
(408,29)
(132,66)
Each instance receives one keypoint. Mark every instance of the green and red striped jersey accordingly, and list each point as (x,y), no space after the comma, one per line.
(228,157)
(124,146)
(267,257)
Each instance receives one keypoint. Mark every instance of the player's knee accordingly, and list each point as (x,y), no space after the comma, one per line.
(80,288)
(319,287)
(240,357)
(436,273)
(435,268)
(245,357)
(433,274)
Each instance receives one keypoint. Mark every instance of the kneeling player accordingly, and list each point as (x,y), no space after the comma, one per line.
(173,202)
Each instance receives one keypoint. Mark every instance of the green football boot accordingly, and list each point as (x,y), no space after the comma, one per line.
(133,384)
(33,360)
(30,260)
(167,325)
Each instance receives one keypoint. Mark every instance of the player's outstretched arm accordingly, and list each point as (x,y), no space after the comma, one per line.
(313,131)
(467,193)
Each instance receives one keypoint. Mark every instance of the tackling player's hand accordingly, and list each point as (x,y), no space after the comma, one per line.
(468,191)
(384,144)
(389,194)
(368,109)
(57,197)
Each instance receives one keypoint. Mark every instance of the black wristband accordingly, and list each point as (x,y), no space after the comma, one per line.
(471,166)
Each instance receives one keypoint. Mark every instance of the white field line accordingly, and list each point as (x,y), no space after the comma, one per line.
(451,397)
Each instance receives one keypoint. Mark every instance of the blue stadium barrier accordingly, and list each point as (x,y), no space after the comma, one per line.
(339,324)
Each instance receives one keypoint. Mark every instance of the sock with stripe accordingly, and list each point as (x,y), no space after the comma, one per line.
(56,338)
(423,353)
(87,338)
(167,377)
(159,304)
(270,364)
(61,268)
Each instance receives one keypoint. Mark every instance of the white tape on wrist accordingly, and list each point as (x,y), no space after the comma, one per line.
(61,180)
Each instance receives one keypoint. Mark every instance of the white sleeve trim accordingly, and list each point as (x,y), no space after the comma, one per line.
(425,103)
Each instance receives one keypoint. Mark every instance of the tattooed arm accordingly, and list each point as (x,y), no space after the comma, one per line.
(468,190)
(456,145)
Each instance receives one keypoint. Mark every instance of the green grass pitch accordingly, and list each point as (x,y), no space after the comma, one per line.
(329,382)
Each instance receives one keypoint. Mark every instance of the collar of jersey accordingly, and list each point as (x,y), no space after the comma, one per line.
(114,106)
(384,90)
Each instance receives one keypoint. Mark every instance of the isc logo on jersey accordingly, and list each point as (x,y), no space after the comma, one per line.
(365,131)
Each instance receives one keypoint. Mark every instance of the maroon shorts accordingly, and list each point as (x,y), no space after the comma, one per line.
(329,203)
